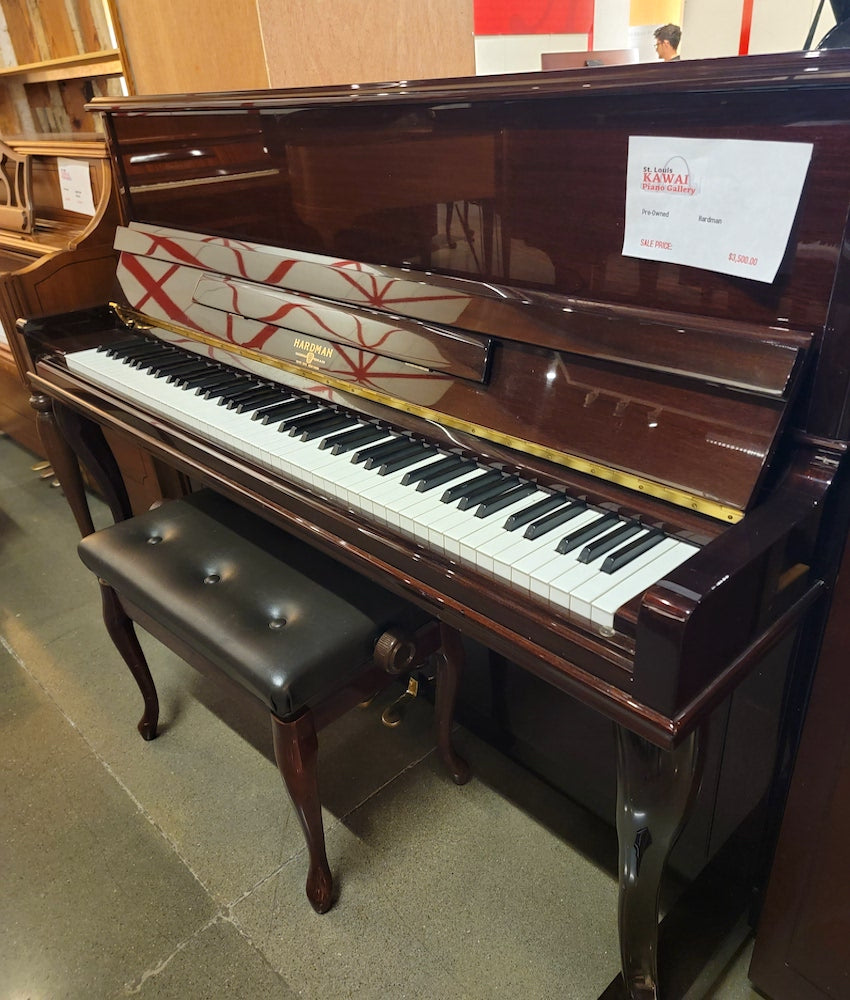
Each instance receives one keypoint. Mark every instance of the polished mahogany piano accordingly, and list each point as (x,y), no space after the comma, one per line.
(398,320)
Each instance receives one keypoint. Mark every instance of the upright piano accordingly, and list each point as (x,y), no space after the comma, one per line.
(56,250)
(626,475)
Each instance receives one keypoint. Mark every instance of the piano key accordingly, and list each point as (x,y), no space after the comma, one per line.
(187,368)
(506,499)
(267,398)
(381,450)
(549,503)
(636,547)
(433,480)
(460,491)
(487,491)
(405,460)
(581,535)
(334,422)
(320,415)
(603,610)
(583,596)
(555,519)
(227,389)
(277,411)
(351,439)
(609,541)
(542,578)
(215,378)
(440,465)
(256,393)
(540,550)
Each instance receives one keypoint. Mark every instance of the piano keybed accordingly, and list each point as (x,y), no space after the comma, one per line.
(546,544)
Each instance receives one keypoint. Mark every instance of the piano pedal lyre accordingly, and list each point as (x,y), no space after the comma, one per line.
(393,715)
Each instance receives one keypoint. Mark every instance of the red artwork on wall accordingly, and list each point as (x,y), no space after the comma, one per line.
(533,17)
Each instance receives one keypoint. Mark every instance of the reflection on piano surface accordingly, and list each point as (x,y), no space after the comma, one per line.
(624,479)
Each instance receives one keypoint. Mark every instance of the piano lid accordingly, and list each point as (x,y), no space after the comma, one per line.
(493,208)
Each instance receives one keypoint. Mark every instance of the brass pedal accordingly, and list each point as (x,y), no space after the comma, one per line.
(393,715)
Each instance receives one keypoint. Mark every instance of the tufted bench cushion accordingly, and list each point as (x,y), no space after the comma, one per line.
(225,589)
(283,620)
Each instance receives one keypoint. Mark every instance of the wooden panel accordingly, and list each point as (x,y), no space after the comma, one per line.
(309,43)
(21,31)
(801,945)
(181,47)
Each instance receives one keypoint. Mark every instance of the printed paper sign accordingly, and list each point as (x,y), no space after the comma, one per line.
(75,184)
(725,205)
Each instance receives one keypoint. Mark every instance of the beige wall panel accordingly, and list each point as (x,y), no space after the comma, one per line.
(176,46)
(314,42)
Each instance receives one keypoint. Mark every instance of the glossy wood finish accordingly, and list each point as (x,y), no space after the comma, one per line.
(801,942)
(654,791)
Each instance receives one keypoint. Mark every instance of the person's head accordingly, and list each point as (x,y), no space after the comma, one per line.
(667,39)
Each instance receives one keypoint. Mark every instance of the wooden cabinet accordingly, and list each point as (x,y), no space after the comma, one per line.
(801,950)
(54,56)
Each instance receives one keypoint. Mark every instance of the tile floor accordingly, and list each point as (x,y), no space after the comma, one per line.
(175,868)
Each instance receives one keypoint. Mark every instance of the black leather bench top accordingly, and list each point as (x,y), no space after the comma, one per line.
(282,619)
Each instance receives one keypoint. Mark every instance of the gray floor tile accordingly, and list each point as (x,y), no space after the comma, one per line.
(214,964)
(92,891)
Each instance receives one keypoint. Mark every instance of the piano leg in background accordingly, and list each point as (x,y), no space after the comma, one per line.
(69,439)
(655,789)
(64,461)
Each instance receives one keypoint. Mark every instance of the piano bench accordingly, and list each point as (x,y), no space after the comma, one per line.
(229,592)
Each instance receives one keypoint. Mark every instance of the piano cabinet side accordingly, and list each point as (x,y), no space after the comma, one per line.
(705,625)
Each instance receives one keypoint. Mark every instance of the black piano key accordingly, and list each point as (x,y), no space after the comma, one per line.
(505,500)
(214,378)
(637,547)
(260,401)
(418,475)
(333,422)
(317,411)
(227,381)
(150,362)
(464,489)
(487,491)
(142,349)
(188,368)
(602,545)
(380,450)
(248,388)
(259,392)
(222,393)
(304,421)
(279,411)
(123,348)
(340,444)
(582,535)
(447,475)
(406,447)
(555,519)
(535,510)
(161,368)
(408,458)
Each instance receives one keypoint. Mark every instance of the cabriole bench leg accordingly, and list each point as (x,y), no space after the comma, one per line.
(122,633)
(296,750)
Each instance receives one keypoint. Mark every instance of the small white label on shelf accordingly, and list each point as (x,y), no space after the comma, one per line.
(75,182)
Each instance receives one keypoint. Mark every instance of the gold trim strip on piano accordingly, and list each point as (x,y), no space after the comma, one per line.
(681,498)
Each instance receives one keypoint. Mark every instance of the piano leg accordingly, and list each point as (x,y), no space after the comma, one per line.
(655,789)
(448,678)
(61,456)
